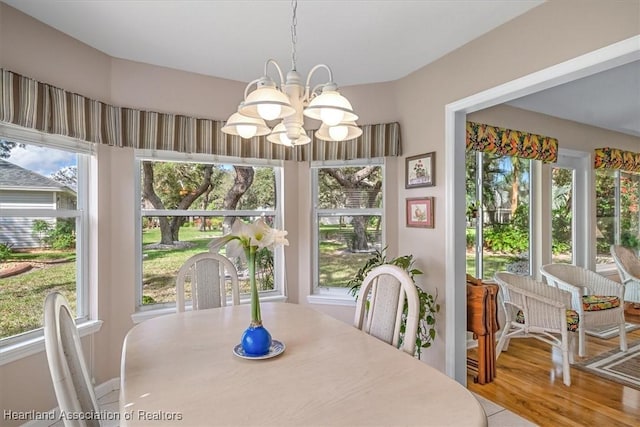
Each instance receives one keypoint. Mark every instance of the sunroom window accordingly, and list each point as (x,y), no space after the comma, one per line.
(498,214)
(617,213)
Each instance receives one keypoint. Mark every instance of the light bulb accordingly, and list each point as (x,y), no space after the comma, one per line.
(246,131)
(338,133)
(284,139)
(269,111)
(331,116)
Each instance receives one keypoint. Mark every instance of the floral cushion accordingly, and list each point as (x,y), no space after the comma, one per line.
(599,302)
(572,319)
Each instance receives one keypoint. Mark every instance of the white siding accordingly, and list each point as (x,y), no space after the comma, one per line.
(11,199)
(18,232)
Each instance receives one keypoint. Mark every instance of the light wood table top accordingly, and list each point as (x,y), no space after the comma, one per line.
(180,370)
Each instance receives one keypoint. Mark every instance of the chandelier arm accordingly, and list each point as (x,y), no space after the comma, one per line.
(246,89)
(275,64)
(326,67)
(313,93)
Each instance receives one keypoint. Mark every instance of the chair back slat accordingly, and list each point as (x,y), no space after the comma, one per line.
(207,273)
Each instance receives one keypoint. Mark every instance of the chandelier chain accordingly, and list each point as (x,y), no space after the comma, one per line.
(294,35)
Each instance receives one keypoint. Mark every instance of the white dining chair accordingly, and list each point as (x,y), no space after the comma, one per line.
(597,300)
(71,381)
(207,273)
(535,310)
(380,306)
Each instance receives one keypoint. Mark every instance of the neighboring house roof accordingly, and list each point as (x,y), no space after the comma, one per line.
(13,176)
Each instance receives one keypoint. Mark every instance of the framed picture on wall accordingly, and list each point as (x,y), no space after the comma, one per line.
(420,170)
(420,212)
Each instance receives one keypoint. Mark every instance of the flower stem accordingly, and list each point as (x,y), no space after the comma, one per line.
(256,318)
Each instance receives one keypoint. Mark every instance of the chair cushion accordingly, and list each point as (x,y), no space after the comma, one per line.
(599,302)
(572,319)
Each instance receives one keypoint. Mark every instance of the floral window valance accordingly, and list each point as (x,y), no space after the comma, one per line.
(614,158)
(509,142)
(35,105)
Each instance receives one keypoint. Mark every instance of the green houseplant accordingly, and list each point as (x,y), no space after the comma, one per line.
(428,305)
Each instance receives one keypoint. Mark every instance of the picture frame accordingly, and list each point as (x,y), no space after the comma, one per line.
(420,170)
(420,212)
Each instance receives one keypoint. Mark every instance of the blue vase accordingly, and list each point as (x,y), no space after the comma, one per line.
(256,341)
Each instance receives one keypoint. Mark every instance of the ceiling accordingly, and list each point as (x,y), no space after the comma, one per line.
(362,41)
(609,100)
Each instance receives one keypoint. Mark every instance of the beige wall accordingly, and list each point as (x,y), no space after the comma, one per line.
(520,47)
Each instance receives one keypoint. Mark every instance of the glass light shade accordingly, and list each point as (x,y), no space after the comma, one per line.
(245,127)
(267,103)
(342,132)
(279,136)
(330,107)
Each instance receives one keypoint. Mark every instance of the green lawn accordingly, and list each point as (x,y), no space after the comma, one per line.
(22,296)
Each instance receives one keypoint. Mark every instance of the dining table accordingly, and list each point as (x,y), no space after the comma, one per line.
(185,369)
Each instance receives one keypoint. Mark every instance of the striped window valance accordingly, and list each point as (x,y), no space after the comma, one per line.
(509,142)
(32,104)
(614,158)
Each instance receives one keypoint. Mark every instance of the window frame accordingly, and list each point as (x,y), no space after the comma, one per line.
(31,342)
(144,312)
(328,294)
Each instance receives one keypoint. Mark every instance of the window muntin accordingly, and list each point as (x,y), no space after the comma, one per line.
(43,224)
(199,213)
(348,220)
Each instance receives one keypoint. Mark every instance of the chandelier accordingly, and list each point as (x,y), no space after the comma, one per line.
(290,102)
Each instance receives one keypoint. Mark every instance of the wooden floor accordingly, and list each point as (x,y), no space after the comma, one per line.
(529,383)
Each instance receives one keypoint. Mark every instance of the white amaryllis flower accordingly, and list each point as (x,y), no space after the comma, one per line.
(264,236)
(243,241)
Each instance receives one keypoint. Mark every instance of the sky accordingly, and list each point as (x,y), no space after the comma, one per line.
(44,161)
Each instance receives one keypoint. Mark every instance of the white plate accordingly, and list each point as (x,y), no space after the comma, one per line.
(276,348)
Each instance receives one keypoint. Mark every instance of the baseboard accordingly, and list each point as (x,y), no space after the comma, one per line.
(100,391)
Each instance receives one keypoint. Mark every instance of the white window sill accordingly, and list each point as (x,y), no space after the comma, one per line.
(29,347)
(150,313)
(332,297)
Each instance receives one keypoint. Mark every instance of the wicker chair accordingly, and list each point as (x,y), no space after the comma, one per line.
(535,310)
(208,273)
(381,303)
(598,300)
(629,269)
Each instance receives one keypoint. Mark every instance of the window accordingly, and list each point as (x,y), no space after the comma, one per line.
(186,204)
(562,215)
(348,220)
(43,229)
(498,214)
(617,212)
